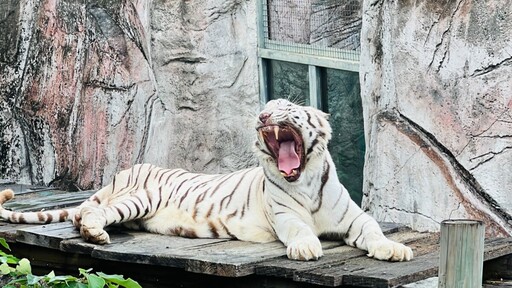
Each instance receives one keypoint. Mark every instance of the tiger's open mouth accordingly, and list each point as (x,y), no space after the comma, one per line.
(286,146)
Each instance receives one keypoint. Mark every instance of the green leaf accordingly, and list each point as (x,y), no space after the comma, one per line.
(81,285)
(23,267)
(119,279)
(84,272)
(94,281)
(5,269)
(4,244)
(19,281)
(64,278)
(8,258)
(32,279)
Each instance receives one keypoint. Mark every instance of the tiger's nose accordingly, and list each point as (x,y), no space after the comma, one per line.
(264,117)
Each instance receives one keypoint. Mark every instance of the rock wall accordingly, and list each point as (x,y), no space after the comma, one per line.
(90,87)
(437,100)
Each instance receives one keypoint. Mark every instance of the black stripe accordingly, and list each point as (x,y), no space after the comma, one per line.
(309,120)
(227,230)
(184,195)
(313,144)
(284,205)
(345,212)
(213,229)
(172,174)
(129,210)
(350,226)
(338,200)
(114,183)
(49,219)
(120,212)
(147,177)
(279,187)
(159,198)
(325,177)
(360,232)
(228,176)
(230,196)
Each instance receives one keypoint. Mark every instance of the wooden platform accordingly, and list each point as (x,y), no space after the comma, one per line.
(157,260)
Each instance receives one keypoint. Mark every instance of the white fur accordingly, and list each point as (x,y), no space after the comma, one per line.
(255,204)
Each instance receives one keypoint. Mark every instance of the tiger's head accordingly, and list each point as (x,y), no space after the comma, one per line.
(291,138)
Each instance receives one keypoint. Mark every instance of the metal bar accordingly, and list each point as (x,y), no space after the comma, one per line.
(315,87)
(260,25)
(309,59)
(263,80)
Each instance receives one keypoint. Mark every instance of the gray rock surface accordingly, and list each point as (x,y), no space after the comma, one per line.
(90,87)
(437,100)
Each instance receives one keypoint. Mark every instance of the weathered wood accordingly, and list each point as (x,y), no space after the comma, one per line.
(141,247)
(461,253)
(49,235)
(47,200)
(367,272)
(283,267)
(8,231)
(340,265)
(20,189)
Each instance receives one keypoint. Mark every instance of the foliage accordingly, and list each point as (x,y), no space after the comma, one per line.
(19,272)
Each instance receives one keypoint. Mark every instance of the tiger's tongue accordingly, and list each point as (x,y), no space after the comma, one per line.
(288,158)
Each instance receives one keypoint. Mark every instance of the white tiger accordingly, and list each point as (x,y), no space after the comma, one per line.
(295,196)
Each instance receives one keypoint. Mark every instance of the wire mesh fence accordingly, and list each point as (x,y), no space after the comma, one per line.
(329,28)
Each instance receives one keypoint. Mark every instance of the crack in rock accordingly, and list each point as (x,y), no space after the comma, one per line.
(410,212)
(452,171)
(443,37)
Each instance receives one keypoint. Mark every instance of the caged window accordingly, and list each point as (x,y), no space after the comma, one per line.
(308,52)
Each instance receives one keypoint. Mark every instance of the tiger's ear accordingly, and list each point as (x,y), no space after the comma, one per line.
(327,116)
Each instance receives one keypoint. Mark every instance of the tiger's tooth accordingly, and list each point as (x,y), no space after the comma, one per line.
(261,134)
(276,132)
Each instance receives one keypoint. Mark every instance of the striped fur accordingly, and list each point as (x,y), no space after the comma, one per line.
(294,196)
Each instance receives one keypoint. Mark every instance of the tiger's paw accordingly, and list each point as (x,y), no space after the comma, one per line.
(91,226)
(94,235)
(390,251)
(307,248)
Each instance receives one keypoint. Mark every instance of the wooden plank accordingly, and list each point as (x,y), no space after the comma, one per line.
(287,268)
(498,247)
(367,274)
(461,253)
(140,247)
(220,257)
(20,189)
(47,200)
(8,230)
(336,271)
(49,235)
(238,258)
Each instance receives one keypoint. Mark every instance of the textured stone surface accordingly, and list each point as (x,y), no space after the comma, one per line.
(90,87)
(437,97)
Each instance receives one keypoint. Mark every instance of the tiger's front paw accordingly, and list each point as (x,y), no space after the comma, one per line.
(390,251)
(307,248)
(91,223)
(94,235)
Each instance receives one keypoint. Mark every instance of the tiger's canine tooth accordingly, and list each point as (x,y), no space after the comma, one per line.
(276,132)
(261,134)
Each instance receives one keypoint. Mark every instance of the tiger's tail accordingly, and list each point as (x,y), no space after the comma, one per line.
(42,217)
